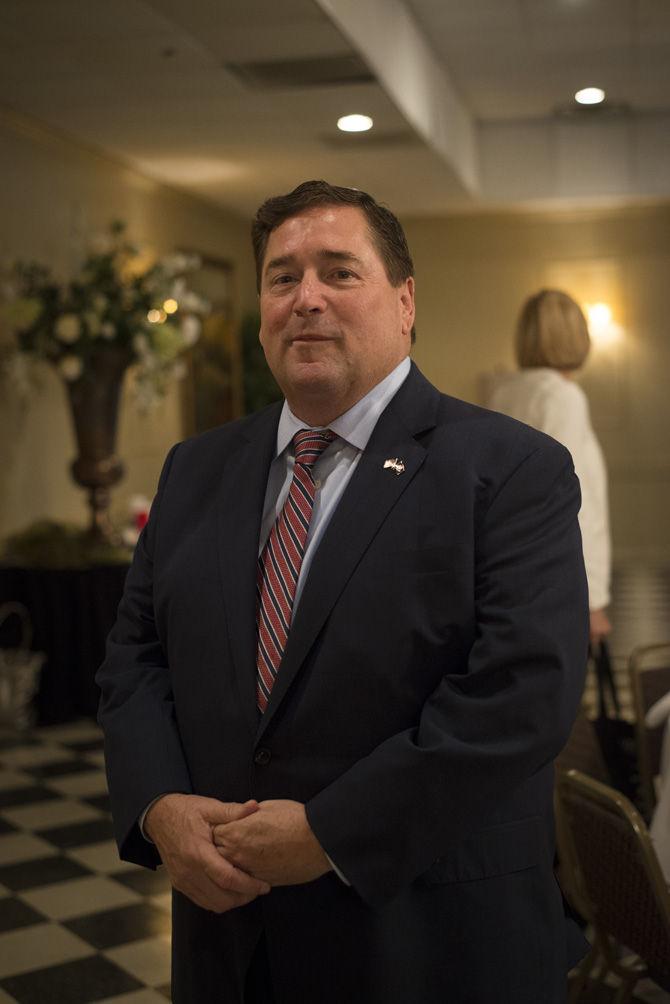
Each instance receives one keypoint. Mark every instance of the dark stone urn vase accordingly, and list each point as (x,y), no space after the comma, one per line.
(94,402)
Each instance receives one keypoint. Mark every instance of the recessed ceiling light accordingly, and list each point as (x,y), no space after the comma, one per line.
(590,96)
(354,123)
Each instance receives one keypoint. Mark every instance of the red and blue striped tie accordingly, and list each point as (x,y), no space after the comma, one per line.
(280,561)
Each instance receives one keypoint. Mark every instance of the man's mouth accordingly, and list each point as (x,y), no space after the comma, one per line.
(307,337)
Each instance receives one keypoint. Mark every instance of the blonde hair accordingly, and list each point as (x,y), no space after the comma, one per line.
(551,331)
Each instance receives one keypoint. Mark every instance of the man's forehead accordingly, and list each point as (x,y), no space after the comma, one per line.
(320,228)
(323,215)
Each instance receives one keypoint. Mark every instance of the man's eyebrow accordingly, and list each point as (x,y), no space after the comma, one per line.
(327,255)
(280,262)
(346,256)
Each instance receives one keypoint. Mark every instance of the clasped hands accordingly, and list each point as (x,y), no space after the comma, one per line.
(225,854)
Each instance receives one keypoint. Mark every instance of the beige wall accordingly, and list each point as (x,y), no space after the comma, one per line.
(474,272)
(52,195)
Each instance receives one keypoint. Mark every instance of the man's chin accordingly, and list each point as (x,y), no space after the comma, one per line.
(316,393)
(314,375)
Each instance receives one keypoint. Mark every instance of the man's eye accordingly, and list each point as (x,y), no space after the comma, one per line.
(282,280)
(343,273)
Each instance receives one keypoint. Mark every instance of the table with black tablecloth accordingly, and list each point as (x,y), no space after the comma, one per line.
(72,611)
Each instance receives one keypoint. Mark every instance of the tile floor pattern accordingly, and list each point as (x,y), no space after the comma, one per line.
(76,923)
(640,615)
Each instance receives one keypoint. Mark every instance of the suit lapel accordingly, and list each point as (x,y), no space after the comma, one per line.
(239,521)
(367,500)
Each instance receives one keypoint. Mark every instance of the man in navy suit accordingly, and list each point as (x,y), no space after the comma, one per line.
(370,818)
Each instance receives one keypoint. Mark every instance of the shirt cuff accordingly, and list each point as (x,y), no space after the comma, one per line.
(140,821)
(337,871)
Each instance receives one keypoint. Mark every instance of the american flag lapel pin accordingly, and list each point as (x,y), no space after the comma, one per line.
(394,464)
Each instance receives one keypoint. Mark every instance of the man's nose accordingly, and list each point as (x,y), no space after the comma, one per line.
(309,297)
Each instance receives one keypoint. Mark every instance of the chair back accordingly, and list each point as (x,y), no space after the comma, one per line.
(617,872)
(582,751)
(649,674)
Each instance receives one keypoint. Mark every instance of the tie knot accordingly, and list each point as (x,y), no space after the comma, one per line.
(309,444)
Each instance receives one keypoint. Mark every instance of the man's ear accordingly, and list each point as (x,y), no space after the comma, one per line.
(407,305)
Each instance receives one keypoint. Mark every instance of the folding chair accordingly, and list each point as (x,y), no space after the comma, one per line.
(582,751)
(619,883)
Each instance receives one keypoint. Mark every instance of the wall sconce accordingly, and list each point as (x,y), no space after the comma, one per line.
(603,330)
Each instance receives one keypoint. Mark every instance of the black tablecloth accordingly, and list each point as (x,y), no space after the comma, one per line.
(72,611)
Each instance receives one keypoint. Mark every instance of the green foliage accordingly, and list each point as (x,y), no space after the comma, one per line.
(116,299)
(260,387)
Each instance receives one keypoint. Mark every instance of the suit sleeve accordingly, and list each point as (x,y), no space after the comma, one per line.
(143,752)
(485,732)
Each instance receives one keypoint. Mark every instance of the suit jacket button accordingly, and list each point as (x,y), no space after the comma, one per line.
(262,757)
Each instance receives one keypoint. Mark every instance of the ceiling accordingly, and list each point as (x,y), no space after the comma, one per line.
(472,102)
(513,59)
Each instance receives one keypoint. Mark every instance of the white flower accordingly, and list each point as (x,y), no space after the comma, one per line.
(16,369)
(191,301)
(190,329)
(175,263)
(68,328)
(141,345)
(102,244)
(71,367)
(179,370)
(137,281)
(92,323)
(146,395)
(139,503)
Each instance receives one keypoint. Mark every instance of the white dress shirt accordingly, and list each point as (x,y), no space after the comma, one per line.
(541,397)
(334,468)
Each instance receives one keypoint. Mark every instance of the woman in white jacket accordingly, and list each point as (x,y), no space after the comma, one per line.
(552,342)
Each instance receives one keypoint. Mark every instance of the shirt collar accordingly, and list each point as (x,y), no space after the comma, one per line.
(355,425)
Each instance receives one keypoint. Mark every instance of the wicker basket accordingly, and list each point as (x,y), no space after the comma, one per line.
(19,673)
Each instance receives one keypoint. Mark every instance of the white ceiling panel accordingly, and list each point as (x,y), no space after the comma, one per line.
(146,81)
(255,29)
(61,21)
(652,22)
(524,58)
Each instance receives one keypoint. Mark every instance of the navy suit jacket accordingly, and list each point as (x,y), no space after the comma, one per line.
(432,674)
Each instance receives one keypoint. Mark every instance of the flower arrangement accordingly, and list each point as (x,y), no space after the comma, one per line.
(145,311)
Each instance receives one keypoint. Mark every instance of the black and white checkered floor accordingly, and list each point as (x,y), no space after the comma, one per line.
(76,923)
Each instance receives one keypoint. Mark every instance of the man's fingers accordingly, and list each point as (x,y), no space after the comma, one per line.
(219,834)
(214,884)
(227,835)
(231,879)
(208,895)
(229,812)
